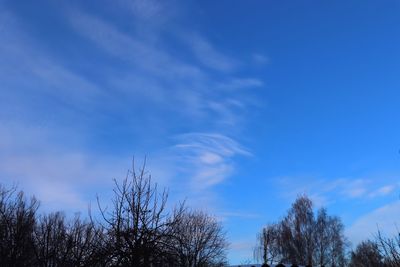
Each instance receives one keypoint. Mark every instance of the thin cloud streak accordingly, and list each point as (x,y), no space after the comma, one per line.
(327,191)
(209,56)
(194,89)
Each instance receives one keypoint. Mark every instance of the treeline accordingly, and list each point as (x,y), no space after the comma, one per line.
(379,251)
(136,230)
(306,238)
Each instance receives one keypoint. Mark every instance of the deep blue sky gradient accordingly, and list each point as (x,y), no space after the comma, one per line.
(239,106)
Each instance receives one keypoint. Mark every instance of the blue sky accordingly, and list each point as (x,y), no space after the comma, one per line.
(239,106)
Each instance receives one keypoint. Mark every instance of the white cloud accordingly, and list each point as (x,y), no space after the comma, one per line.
(197,163)
(58,176)
(138,51)
(207,157)
(354,188)
(210,158)
(328,191)
(212,141)
(183,87)
(385,218)
(208,55)
(383,191)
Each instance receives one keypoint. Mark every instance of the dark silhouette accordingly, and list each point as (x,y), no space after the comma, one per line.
(207,247)
(366,254)
(303,238)
(137,231)
(17,222)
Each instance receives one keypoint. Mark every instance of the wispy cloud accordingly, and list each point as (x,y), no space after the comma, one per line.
(148,9)
(384,219)
(208,158)
(151,14)
(383,191)
(195,91)
(59,176)
(37,148)
(33,80)
(327,191)
(352,188)
(139,88)
(208,55)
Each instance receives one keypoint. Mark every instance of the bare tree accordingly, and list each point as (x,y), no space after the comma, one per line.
(322,238)
(389,248)
(367,254)
(77,243)
(297,234)
(267,249)
(50,239)
(17,221)
(199,240)
(86,244)
(137,222)
(135,231)
(331,243)
(337,244)
(301,238)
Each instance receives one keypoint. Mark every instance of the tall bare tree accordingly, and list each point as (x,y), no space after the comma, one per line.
(337,243)
(322,238)
(199,240)
(297,232)
(137,223)
(303,238)
(267,248)
(331,243)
